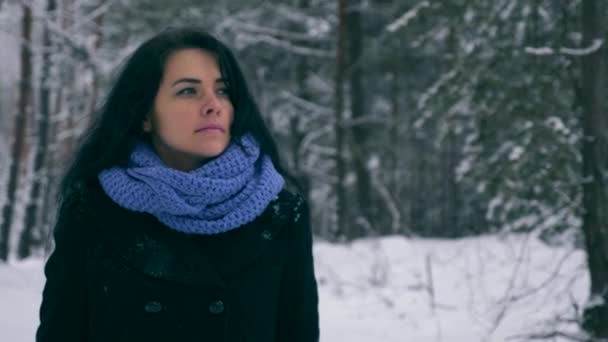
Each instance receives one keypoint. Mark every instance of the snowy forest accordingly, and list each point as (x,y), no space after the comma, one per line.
(427,121)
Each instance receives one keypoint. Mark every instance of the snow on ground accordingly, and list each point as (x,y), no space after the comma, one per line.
(396,289)
(20,292)
(479,289)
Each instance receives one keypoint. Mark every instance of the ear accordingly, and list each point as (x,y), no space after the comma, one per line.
(147,124)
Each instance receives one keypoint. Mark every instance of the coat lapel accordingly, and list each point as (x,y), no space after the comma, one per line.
(235,251)
(149,247)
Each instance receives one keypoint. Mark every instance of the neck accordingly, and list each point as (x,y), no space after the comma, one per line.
(177,160)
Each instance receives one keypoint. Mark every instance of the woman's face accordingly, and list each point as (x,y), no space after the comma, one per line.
(192,114)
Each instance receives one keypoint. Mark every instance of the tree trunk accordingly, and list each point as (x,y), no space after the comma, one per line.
(397,180)
(418,188)
(96,45)
(24,107)
(595,166)
(301,75)
(449,211)
(54,161)
(450,218)
(31,236)
(365,208)
(341,224)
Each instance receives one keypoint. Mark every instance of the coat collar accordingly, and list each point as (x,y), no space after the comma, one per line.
(149,247)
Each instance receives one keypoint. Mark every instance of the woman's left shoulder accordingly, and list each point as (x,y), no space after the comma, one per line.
(289,206)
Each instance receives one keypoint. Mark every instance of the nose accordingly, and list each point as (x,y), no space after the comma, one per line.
(211,105)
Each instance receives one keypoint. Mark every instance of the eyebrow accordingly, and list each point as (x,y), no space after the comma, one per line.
(197,81)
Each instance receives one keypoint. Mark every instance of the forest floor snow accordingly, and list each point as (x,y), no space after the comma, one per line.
(491,288)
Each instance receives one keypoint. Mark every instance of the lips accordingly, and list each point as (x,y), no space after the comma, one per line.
(210,127)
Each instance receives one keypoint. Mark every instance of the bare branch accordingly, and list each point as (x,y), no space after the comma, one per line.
(511,286)
(550,335)
(391,204)
(546,282)
(430,286)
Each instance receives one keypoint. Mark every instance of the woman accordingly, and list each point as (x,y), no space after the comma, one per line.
(175,224)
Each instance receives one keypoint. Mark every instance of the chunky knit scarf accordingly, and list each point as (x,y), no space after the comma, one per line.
(225,193)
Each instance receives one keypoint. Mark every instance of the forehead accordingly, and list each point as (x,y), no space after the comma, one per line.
(192,62)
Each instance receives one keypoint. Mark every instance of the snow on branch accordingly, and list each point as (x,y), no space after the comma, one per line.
(286,45)
(306,104)
(545,51)
(595,46)
(389,201)
(406,17)
(539,51)
(293,36)
(100,10)
(76,43)
(434,89)
(312,136)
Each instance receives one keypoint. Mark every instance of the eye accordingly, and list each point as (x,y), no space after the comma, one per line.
(186,91)
(223,91)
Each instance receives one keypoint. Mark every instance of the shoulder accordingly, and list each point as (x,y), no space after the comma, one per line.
(73,200)
(71,216)
(289,206)
(290,211)
(84,195)
(293,215)
(76,203)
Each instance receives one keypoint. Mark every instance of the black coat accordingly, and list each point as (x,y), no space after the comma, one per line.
(117,275)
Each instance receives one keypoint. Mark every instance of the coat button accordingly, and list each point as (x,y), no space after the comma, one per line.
(267,235)
(153,307)
(216,307)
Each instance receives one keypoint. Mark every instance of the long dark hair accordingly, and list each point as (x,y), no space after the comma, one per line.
(118,122)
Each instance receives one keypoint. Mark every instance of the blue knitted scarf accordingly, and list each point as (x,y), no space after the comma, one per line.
(225,193)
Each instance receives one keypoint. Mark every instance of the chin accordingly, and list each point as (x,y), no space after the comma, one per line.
(211,152)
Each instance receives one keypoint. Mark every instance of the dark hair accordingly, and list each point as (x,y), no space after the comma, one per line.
(118,123)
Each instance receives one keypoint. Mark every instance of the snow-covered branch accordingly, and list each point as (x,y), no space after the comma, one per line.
(432,91)
(545,50)
(299,50)
(389,201)
(79,47)
(303,103)
(407,17)
(100,10)
(539,51)
(312,136)
(595,46)
(296,16)
(242,23)
(292,36)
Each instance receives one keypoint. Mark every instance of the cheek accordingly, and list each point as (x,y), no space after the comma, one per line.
(231,113)
(165,128)
(175,117)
